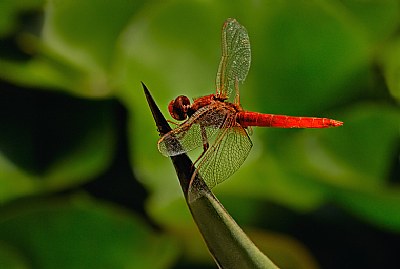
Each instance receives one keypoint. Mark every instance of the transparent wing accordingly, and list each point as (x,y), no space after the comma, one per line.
(188,135)
(236,57)
(226,155)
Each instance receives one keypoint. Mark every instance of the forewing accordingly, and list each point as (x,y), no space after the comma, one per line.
(236,57)
(226,155)
(188,136)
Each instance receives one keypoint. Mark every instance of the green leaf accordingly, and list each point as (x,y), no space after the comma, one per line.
(11,258)
(305,55)
(390,59)
(286,251)
(380,207)
(82,234)
(380,18)
(342,156)
(76,49)
(229,245)
(40,72)
(10,10)
(350,165)
(51,141)
(85,32)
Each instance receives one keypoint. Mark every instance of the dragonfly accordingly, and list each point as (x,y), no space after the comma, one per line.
(222,127)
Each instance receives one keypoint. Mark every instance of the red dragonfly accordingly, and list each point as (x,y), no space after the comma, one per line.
(221,127)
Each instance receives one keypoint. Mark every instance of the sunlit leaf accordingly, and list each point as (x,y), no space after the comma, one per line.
(380,18)
(304,57)
(86,31)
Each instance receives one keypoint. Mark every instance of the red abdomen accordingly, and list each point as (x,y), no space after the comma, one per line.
(281,121)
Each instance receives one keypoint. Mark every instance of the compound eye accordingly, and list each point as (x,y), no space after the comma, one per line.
(178,108)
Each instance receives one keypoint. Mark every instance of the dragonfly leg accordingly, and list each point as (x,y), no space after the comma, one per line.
(194,169)
(206,145)
(173,122)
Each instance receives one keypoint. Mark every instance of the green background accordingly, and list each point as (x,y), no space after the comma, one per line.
(82,184)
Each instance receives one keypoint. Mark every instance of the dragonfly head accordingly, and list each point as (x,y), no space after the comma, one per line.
(178,108)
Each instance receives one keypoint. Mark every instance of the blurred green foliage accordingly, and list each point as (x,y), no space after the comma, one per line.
(65,64)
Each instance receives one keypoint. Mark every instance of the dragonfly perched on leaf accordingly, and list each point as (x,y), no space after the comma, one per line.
(219,126)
